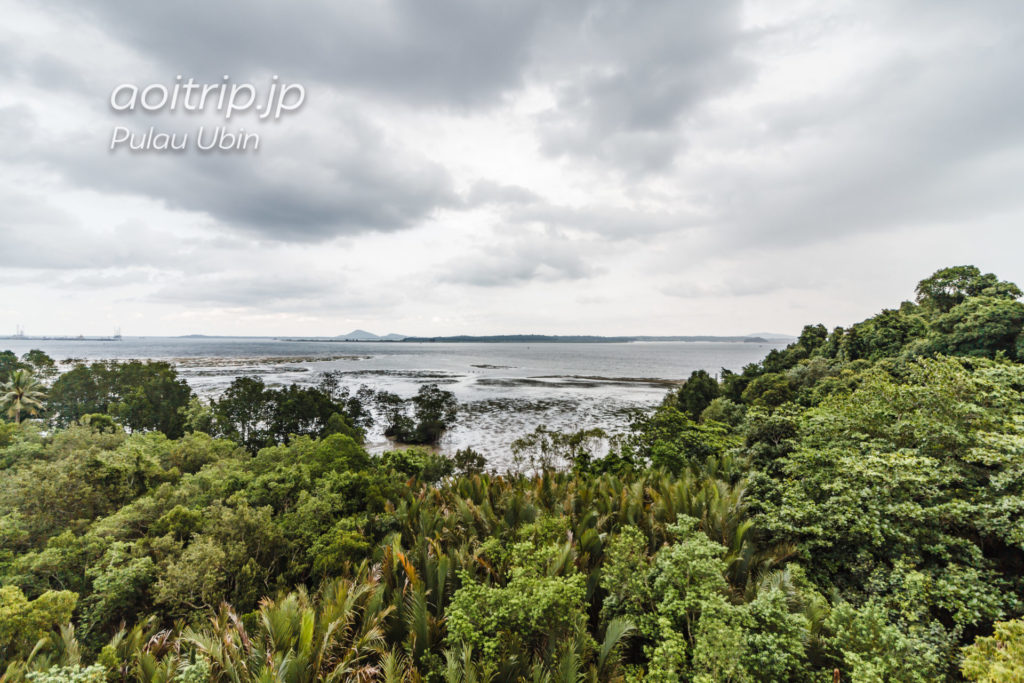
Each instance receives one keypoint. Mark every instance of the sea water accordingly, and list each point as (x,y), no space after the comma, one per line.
(505,389)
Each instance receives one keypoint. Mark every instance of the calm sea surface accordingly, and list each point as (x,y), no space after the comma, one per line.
(505,389)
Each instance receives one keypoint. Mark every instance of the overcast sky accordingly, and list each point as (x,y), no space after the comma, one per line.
(532,166)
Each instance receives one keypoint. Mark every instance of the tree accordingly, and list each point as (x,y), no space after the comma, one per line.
(150,396)
(697,393)
(869,647)
(243,412)
(813,337)
(22,393)
(669,439)
(397,424)
(82,390)
(468,461)
(725,411)
(24,621)
(734,383)
(9,363)
(299,411)
(534,611)
(908,490)
(42,365)
(143,396)
(998,658)
(435,410)
(339,424)
(980,326)
(355,406)
(772,389)
(884,335)
(547,449)
(198,415)
(951,286)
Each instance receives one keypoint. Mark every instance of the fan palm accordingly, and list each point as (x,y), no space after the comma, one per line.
(22,393)
(338,636)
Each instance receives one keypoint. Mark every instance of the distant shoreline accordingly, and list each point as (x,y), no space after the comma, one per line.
(81,338)
(536,339)
(481,339)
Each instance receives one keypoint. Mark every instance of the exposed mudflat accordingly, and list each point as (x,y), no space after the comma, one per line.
(505,389)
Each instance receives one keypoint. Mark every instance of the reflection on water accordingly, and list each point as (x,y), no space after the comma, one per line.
(506,389)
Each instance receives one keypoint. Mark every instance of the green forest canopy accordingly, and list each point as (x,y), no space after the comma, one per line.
(852,506)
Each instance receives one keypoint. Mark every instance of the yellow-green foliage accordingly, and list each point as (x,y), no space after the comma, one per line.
(23,622)
(534,610)
(998,658)
(69,674)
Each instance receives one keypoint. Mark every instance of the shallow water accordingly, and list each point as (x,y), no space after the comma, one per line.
(505,389)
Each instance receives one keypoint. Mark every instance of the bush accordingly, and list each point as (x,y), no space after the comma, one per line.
(998,658)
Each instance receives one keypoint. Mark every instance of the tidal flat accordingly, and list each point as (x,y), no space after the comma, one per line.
(505,390)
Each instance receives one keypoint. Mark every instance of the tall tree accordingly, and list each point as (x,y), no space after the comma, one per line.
(22,393)
(296,410)
(9,363)
(243,412)
(950,286)
(42,365)
(435,411)
(698,393)
(143,396)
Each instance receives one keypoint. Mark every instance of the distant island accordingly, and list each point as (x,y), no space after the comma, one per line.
(579,339)
(364,336)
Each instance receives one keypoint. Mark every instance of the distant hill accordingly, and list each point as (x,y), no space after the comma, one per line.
(363,335)
(577,339)
(359,335)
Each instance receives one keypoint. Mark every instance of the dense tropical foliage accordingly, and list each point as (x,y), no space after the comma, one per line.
(851,508)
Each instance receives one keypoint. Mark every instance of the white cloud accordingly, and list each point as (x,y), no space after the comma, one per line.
(593,166)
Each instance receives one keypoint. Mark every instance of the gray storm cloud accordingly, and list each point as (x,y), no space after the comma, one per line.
(619,146)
